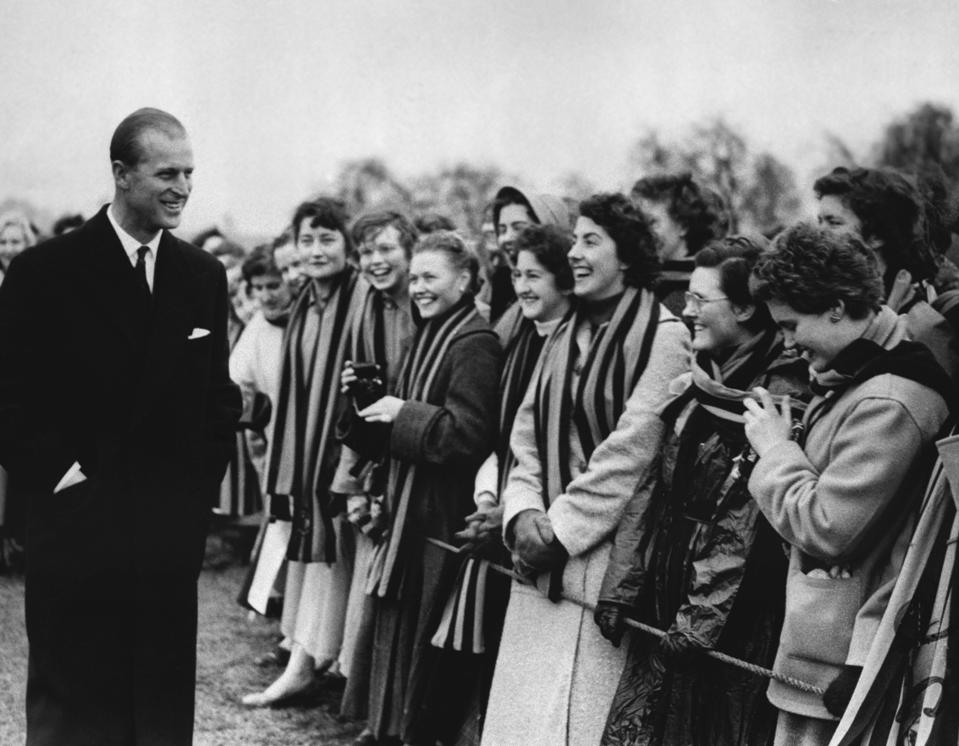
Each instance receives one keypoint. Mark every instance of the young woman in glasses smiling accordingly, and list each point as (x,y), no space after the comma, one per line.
(699,561)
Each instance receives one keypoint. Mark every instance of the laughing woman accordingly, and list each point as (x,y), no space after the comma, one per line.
(844,496)
(584,439)
(472,621)
(443,424)
(699,561)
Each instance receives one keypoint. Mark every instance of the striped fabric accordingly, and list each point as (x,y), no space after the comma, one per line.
(430,345)
(303,456)
(616,359)
(904,695)
(463,621)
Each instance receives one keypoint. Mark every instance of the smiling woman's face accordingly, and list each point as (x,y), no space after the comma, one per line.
(435,284)
(597,271)
(322,251)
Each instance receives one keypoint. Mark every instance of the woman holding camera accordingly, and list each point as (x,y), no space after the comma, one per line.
(443,423)
(844,495)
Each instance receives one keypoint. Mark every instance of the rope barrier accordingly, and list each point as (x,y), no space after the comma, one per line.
(714,654)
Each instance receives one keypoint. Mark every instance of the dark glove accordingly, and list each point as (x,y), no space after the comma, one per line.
(839,692)
(611,618)
(677,647)
(537,547)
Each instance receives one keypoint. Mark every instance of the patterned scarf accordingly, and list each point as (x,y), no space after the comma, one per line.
(431,342)
(616,359)
(303,456)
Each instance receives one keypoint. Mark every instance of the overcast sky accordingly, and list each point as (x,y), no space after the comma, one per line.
(277,94)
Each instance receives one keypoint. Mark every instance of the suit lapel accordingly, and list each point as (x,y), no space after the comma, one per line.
(111,274)
(171,321)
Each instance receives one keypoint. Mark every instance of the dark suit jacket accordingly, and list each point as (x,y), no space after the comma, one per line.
(93,371)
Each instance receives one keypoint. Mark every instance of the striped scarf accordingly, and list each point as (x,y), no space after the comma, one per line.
(303,455)
(617,357)
(461,627)
(431,342)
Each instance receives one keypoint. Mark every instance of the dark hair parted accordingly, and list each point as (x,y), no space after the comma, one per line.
(889,209)
(125,145)
(370,224)
(631,232)
(811,270)
(734,258)
(550,245)
(260,263)
(323,212)
(430,222)
(698,210)
(460,256)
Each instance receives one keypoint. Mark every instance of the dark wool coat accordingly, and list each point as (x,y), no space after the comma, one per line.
(137,391)
(701,560)
(445,437)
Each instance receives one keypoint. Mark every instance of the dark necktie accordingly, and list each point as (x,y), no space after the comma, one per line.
(141,268)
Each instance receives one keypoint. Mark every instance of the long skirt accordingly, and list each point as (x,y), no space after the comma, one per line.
(403,657)
(315,600)
(356,656)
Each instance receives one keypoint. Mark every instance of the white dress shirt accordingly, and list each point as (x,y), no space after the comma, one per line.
(130,246)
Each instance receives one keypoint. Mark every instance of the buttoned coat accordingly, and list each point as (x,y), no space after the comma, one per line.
(135,389)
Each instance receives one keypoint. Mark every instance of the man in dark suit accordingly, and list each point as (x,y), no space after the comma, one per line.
(116,422)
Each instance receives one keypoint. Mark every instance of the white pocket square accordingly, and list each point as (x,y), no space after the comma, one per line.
(199,333)
(73,476)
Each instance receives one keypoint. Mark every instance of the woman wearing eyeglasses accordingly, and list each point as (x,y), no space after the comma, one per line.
(698,560)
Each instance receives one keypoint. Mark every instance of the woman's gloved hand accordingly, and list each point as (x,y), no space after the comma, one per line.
(839,691)
(611,619)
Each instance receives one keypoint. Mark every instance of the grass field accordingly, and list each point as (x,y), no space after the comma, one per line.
(227,645)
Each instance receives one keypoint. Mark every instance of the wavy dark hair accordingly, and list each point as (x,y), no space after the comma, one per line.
(890,210)
(550,245)
(369,225)
(459,254)
(810,270)
(325,212)
(734,257)
(700,211)
(631,232)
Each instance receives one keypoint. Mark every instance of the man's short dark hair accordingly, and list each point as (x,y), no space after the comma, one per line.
(125,145)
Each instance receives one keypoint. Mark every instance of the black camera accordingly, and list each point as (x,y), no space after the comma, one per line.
(369,386)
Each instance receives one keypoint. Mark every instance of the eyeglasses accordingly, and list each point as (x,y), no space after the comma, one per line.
(698,301)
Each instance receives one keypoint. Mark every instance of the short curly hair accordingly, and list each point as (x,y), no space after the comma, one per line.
(890,210)
(810,269)
(370,224)
(734,258)
(699,211)
(550,245)
(631,232)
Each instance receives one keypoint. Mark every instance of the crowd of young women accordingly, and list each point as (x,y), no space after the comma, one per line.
(734,451)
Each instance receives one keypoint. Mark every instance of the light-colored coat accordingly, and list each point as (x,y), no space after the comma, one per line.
(556,675)
(830,502)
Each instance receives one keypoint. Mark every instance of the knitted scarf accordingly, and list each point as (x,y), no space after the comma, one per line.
(302,458)
(431,342)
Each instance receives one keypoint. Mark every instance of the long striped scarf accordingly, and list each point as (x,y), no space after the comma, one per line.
(461,627)
(304,451)
(430,345)
(617,357)
(615,361)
